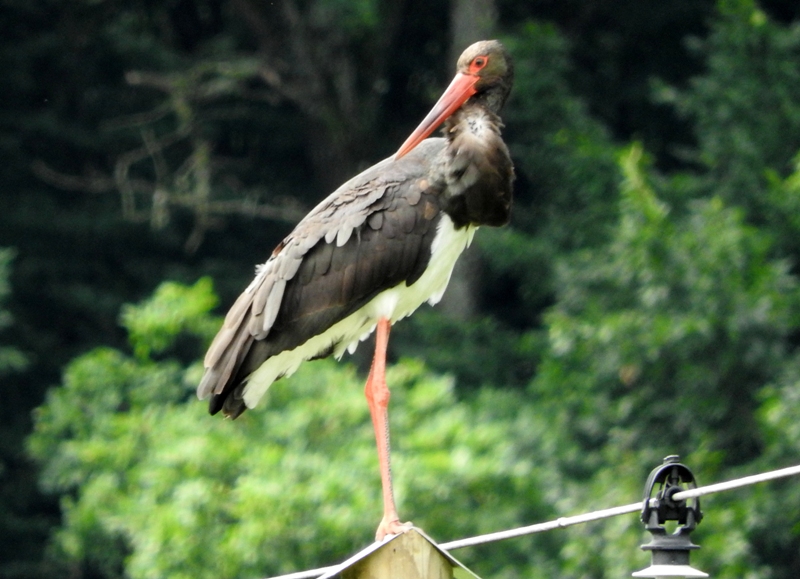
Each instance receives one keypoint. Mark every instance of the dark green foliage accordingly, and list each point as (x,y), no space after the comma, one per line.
(11,359)
(566,164)
(685,308)
(745,109)
(24,523)
(152,485)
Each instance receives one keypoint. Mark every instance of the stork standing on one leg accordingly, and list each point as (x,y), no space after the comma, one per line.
(372,252)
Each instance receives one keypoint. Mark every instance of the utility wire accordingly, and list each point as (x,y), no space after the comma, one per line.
(308,574)
(541,527)
(736,483)
(562,522)
(613,512)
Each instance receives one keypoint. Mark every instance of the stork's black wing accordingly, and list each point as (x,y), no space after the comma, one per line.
(370,235)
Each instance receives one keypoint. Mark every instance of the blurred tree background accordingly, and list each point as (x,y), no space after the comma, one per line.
(644,300)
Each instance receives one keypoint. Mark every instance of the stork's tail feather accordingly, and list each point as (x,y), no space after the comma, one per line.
(223,381)
(232,405)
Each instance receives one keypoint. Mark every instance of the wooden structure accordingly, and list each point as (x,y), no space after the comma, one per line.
(410,555)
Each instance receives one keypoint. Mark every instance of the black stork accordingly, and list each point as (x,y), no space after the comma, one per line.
(372,252)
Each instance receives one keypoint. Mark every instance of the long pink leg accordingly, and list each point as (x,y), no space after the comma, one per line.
(377,394)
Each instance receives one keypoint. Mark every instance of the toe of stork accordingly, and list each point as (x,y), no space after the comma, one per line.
(391,528)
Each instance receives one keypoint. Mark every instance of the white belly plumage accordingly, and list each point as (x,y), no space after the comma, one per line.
(395,303)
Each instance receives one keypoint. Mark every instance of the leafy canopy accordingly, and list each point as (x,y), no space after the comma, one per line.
(143,467)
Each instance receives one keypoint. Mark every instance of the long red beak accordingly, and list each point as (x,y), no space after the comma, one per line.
(461,88)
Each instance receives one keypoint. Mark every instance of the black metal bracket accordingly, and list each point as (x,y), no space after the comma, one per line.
(670,552)
(672,477)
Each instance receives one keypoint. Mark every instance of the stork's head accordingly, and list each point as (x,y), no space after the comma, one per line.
(484,71)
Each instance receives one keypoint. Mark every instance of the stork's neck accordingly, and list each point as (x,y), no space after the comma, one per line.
(477,167)
(474,126)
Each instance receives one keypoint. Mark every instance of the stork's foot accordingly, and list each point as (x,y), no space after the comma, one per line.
(393,527)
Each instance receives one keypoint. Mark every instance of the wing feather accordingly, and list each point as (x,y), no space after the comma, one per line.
(343,253)
(343,235)
(273,304)
(260,294)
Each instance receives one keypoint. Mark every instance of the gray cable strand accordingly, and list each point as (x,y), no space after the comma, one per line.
(562,522)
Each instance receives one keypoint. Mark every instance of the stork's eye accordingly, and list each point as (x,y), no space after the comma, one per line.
(478,63)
